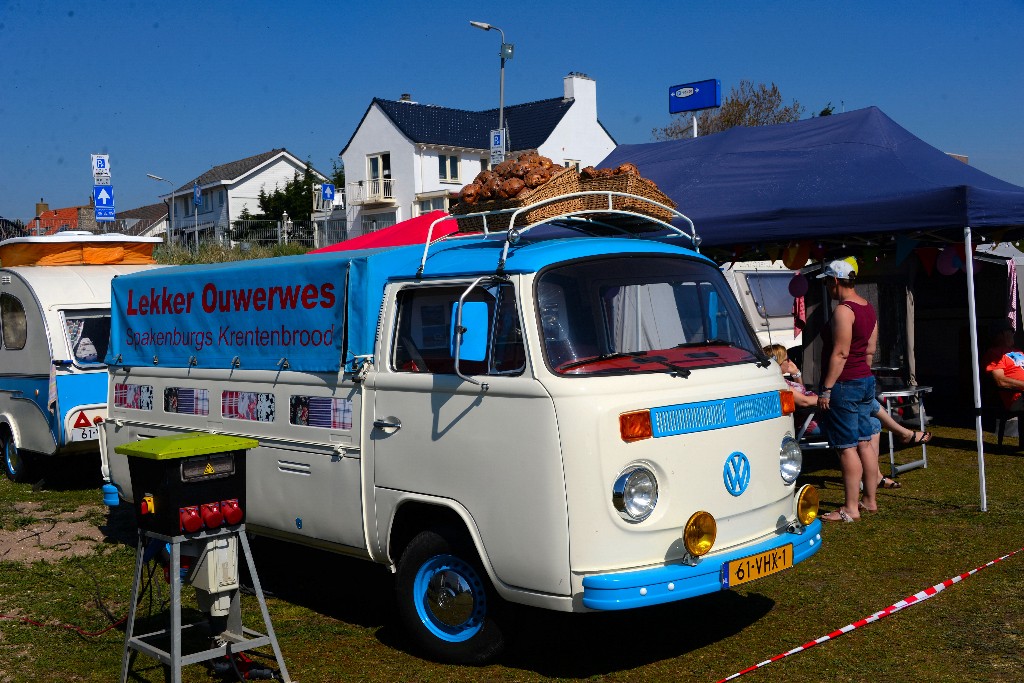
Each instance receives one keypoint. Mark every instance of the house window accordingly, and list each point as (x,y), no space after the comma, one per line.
(378,166)
(378,221)
(434,204)
(572,163)
(448,168)
(485,164)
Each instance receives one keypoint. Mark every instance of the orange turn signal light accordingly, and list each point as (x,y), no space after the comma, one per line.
(635,426)
(788,402)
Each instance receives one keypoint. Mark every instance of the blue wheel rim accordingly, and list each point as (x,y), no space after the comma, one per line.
(11,456)
(449,598)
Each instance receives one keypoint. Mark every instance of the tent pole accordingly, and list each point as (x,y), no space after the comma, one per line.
(973,315)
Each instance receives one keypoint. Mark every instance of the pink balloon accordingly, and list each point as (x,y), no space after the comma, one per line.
(798,285)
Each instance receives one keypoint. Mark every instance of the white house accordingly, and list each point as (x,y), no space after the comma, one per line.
(225,191)
(405,157)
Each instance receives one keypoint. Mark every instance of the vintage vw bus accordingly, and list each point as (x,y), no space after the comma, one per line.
(563,415)
(54,327)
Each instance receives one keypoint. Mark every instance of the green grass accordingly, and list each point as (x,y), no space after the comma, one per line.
(333,616)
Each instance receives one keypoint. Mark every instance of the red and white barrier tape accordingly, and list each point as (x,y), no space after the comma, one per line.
(891,609)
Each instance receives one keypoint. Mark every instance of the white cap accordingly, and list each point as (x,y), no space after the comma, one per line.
(840,268)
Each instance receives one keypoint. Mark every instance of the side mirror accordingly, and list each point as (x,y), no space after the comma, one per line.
(470,341)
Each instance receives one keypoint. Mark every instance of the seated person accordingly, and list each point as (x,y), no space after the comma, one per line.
(1005,365)
(805,398)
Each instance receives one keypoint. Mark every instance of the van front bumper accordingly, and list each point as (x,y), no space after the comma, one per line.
(673,582)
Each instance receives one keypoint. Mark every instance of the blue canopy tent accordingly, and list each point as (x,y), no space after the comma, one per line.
(850,178)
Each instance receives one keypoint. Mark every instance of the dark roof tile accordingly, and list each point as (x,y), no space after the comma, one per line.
(529,125)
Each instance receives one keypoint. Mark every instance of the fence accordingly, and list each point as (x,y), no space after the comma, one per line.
(308,234)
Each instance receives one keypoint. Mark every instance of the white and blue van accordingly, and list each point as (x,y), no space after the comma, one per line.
(566,414)
(54,328)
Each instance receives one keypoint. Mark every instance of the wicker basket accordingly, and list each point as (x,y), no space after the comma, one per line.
(566,181)
(629,183)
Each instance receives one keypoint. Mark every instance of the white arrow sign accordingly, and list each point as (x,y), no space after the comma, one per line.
(103,197)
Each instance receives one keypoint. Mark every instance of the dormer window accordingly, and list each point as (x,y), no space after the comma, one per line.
(448,168)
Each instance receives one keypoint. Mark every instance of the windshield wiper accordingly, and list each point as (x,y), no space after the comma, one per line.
(677,370)
(597,359)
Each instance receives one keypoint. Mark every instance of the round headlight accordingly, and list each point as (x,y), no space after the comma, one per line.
(791,459)
(635,494)
(699,533)
(807,504)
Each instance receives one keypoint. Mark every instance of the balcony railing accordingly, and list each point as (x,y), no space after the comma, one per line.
(376,191)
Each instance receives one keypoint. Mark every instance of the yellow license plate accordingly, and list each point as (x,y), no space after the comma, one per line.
(757,566)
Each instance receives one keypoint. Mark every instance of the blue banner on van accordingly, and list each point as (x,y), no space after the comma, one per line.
(248,314)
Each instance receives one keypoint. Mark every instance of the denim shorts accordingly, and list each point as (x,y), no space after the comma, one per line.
(849,415)
(876,424)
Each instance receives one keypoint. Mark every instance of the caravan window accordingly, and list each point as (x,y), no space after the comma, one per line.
(423,339)
(770,292)
(88,334)
(640,314)
(13,322)
(187,401)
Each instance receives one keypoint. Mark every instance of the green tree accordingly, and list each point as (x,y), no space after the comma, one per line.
(295,198)
(746,105)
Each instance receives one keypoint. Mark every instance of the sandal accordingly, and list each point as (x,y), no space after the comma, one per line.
(863,508)
(839,516)
(888,483)
(917,438)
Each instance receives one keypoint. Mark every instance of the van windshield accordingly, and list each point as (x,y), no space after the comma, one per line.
(640,314)
(88,334)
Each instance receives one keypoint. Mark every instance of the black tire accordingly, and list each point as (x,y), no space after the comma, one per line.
(17,464)
(445,602)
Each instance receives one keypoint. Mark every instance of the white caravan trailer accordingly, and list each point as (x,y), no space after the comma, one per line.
(762,288)
(54,325)
(544,416)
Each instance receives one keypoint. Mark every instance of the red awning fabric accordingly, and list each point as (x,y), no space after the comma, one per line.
(412,231)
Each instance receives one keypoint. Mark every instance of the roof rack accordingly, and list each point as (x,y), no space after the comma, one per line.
(514,233)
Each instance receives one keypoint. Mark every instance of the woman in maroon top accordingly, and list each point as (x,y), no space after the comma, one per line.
(848,388)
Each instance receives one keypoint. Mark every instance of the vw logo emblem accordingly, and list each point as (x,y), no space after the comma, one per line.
(737,473)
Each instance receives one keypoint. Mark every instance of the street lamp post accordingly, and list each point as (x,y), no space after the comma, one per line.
(170,228)
(506,53)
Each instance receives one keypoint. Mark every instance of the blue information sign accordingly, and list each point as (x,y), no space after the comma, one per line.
(694,96)
(103,200)
(197,197)
(327,192)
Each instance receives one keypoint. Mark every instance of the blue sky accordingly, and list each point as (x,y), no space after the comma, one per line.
(175,88)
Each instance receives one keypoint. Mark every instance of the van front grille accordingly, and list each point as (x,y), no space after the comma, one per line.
(687,418)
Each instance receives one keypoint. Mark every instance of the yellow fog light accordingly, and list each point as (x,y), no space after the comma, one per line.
(699,533)
(807,504)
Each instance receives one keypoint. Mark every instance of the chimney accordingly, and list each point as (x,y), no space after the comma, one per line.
(583,89)
(42,207)
(406,97)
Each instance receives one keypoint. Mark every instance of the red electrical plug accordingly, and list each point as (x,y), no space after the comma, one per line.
(211,514)
(232,511)
(190,519)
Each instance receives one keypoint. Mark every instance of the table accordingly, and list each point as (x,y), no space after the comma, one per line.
(916,394)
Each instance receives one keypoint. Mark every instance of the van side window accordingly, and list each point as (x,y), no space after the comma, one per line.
(247,405)
(423,336)
(134,396)
(14,322)
(187,401)
(320,411)
(88,335)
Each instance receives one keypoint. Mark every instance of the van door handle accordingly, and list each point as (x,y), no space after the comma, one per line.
(388,423)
